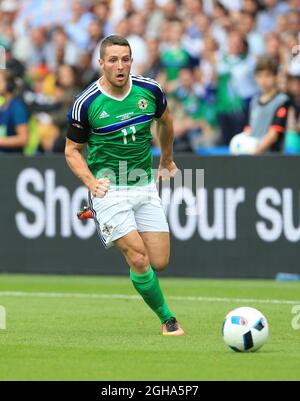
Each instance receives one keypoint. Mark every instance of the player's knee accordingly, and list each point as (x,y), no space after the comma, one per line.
(161,264)
(138,260)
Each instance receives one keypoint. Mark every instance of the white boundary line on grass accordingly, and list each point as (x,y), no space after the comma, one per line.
(135,297)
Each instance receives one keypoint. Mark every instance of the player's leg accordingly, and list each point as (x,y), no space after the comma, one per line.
(116,224)
(153,229)
(157,245)
(132,247)
(142,275)
(158,248)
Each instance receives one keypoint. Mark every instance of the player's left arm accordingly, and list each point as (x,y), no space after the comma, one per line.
(165,132)
(276,129)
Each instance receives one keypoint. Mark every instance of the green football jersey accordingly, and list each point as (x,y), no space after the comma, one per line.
(117,131)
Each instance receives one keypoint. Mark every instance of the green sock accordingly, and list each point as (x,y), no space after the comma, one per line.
(148,287)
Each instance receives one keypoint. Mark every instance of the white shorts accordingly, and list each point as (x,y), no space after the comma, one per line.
(125,209)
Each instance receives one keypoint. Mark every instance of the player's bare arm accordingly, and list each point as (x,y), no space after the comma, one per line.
(167,167)
(78,165)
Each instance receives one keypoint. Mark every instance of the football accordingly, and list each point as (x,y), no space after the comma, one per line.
(245,329)
(243,144)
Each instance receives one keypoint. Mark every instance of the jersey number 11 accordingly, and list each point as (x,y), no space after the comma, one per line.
(132,131)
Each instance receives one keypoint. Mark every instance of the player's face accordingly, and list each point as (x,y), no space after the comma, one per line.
(116,65)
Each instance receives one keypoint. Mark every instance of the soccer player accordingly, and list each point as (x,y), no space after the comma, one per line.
(113,117)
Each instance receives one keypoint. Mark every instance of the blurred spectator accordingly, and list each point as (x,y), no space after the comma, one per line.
(170,10)
(269,111)
(221,23)
(294,4)
(282,26)
(193,38)
(291,56)
(153,69)
(61,50)
(267,19)
(192,127)
(15,66)
(95,30)
(8,12)
(13,116)
(137,42)
(128,8)
(101,10)
(119,8)
(207,68)
(247,27)
(51,100)
(274,47)
(67,88)
(174,57)
(293,19)
(236,86)
(192,8)
(40,13)
(87,71)
(32,49)
(292,142)
(153,17)
(122,27)
(168,39)
(77,26)
(251,6)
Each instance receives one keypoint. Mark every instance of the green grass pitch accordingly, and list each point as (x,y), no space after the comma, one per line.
(97,328)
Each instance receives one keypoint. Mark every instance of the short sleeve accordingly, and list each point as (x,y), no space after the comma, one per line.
(78,127)
(280,118)
(161,102)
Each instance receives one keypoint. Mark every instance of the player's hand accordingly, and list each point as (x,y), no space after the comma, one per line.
(100,187)
(166,171)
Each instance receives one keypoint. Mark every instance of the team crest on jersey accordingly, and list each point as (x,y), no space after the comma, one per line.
(107,229)
(143,104)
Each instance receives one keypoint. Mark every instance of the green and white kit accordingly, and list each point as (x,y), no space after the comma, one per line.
(118,136)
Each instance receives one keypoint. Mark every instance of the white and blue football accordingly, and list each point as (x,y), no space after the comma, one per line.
(245,329)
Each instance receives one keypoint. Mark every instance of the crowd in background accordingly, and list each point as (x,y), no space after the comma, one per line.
(202,52)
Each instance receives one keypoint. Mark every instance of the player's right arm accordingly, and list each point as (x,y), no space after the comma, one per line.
(77,137)
(77,163)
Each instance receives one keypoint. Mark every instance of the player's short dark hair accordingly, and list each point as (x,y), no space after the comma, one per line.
(111,41)
(267,64)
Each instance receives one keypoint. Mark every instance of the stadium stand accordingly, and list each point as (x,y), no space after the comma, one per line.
(203,53)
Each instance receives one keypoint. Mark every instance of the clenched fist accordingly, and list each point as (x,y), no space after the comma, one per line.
(100,187)
(166,170)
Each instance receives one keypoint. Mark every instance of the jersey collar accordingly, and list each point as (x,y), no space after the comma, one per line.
(119,99)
